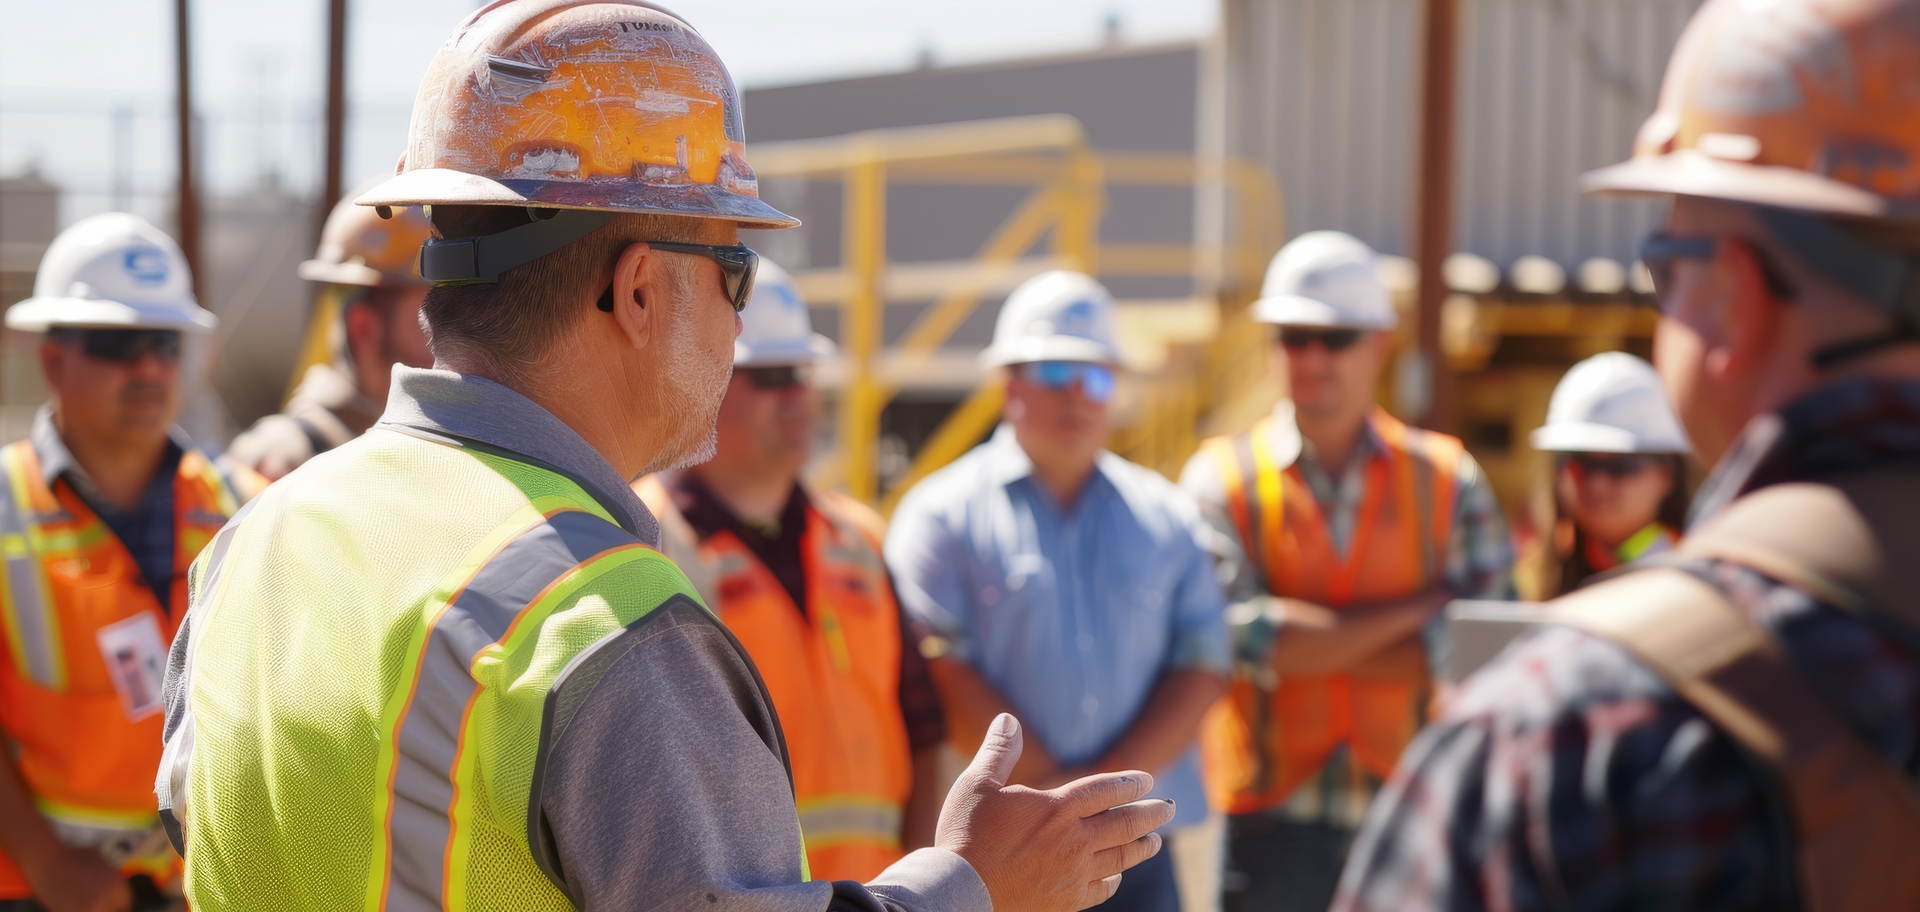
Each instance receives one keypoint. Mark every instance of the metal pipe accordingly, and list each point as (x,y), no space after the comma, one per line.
(188,203)
(1434,217)
(336,106)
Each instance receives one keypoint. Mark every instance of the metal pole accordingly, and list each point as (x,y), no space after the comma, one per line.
(864,213)
(1435,212)
(336,106)
(189,198)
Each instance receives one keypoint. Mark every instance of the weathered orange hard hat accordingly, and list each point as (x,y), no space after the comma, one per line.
(601,105)
(1811,105)
(358,247)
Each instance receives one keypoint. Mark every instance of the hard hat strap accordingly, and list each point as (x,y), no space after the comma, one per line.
(1886,277)
(468,261)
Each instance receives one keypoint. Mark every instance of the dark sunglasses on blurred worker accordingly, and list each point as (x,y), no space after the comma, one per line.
(1298,338)
(785,376)
(738,265)
(1613,465)
(123,346)
(1660,250)
(1095,380)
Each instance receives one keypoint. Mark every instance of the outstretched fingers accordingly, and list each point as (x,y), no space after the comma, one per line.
(1127,824)
(1095,794)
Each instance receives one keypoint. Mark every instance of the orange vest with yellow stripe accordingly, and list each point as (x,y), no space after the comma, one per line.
(834,674)
(1267,737)
(85,646)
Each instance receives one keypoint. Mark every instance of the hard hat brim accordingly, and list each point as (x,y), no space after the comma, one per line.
(41,314)
(446,187)
(1592,437)
(1689,172)
(1295,310)
(780,354)
(354,274)
(1052,348)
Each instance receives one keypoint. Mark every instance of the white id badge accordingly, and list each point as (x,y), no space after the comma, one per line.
(136,660)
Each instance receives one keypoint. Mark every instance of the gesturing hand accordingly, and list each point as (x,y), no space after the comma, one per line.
(1053,851)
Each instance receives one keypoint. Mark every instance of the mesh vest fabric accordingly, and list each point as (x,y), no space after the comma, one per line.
(370,659)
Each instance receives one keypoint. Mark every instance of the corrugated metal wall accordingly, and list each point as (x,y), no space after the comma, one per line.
(1323,92)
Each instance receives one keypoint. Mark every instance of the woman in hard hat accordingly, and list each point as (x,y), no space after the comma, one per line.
(1619,474)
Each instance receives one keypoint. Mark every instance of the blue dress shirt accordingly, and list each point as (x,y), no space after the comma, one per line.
(1074,614)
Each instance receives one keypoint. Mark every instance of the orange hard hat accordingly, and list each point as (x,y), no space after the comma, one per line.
(358,247)
(600,105)
(1810,105)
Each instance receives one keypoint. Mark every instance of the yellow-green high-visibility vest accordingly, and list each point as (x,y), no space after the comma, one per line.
(374,654)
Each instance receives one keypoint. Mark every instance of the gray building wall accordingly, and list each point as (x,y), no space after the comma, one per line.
(1128,98)
(1324,91)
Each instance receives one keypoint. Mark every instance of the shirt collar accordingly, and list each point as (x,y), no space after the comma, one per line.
(1008,462)
(56,459)
(1369,446)
(477,409)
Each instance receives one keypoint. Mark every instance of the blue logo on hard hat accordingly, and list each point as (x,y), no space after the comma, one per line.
(1075,319)
(146,265)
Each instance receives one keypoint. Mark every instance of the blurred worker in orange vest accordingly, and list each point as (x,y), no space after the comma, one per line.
(800,582)
(1350,531)
(105,506)
(1737,725)
(370,307)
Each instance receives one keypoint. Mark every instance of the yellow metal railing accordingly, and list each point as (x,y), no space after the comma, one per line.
(1069,181)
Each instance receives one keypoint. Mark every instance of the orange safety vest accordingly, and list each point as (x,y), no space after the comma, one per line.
(85,647)
(1266,737)
(834,674)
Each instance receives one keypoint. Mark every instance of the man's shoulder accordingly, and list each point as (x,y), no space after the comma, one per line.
(1148,491)
(1551,675)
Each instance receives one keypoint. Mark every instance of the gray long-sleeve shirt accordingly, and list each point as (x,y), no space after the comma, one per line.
(660,792)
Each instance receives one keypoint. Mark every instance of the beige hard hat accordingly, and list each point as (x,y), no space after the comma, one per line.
(1799,104)
(599,105)
(358,247)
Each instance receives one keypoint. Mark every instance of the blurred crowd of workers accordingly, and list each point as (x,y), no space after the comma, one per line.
(540,613)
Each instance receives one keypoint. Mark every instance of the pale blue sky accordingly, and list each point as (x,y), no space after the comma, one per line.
(66,67)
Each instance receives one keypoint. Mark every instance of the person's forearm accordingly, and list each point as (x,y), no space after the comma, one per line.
(922,813)
(25,836)
(1167,725)
(1316,640)
(971,704)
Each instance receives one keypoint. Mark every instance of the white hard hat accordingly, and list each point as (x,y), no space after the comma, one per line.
(775,328)
(1611,403)
(1055,316)
(108,271)
(1325,278)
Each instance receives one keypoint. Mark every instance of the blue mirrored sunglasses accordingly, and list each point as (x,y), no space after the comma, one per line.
(1095,380)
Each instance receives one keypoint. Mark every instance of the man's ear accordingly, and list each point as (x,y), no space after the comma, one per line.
(53,360)
(1752,313)
(638,302)
(365,329)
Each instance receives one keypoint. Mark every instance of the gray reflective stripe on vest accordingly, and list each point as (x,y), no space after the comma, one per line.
(429,738)
(33,615)
(825,822)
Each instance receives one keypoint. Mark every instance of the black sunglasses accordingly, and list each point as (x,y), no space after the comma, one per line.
(1616,465)
(1298,338)
(1659,250)
(738,265)
(779,377)
(123,346)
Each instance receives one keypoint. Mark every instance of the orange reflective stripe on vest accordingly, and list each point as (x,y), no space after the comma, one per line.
(834,674)
(1267,738)
(86,645)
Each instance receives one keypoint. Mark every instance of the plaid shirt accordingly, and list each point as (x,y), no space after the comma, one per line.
(1479,565)
(1568,776)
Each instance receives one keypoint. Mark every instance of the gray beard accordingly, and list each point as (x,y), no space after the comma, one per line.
(692,402)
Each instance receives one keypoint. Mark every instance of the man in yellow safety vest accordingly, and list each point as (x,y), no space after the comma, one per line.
(443,666)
